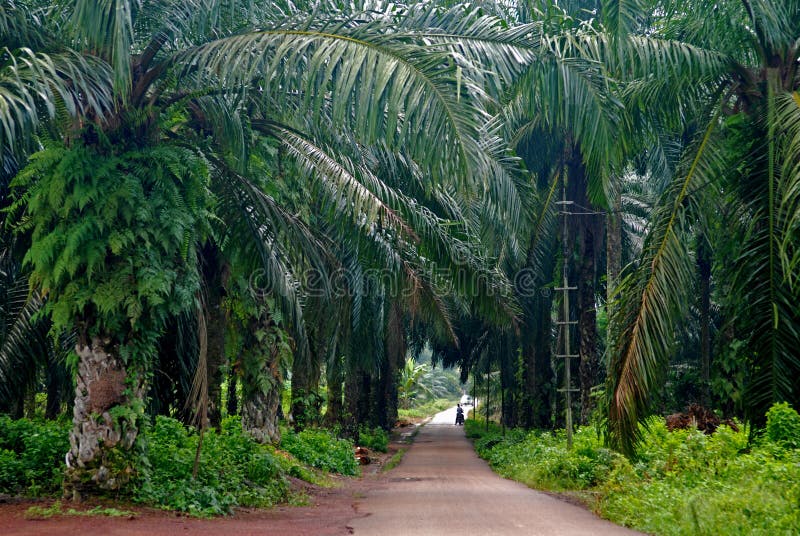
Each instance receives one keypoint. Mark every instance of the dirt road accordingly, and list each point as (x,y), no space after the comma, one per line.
(442,488)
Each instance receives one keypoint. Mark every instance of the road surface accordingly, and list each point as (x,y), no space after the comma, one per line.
(441,488)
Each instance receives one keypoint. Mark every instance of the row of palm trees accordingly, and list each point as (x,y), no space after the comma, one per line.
(268,186)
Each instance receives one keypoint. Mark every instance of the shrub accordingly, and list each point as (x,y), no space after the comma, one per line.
(376,438)
(321,449)
(32,455)
(783,426)
(234,470)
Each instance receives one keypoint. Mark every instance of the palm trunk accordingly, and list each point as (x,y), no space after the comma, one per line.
(613,264)
(395,351)
(587,323)
(335,378)
(108,401)
(357,401)
(305,384)
(537,372)
(232,401)
(260,408)
(53,404)
(586,229)
(215,273)
(262,382)
(29,401)
(704,268)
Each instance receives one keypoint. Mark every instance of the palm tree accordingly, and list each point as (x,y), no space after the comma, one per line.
(744,159)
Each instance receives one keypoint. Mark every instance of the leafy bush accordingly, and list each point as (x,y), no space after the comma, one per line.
(321,449)
(234,470)
(32,455)
(783,426)
(376,438)
(541,459)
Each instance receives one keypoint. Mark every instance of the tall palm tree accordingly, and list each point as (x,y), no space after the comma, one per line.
(744,157)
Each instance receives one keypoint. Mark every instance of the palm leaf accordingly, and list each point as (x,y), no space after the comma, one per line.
(32,83)
(653,296)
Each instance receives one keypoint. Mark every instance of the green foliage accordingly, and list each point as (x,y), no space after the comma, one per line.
(783,425)
(685,482)
(32,455)
(373,438)
(321,449)
(680,483)
(111,235)
(234,470)
(542,457)
(426,409)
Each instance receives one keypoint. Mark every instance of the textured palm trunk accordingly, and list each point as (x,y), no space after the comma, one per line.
(704,269)
(537,374)
(534,405)
(260,408)
(358,394)
(395,351)
(587,324)
(232,402)
(305,383)
(586,229)
(215,273)
(55,386)
(613,265)
(333,415)
(262,383)
(108,398)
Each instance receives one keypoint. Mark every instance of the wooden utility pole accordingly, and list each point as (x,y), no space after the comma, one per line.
(565,321)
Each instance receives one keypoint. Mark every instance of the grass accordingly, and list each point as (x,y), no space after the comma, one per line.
(57,509)
(394,461)
(426,409)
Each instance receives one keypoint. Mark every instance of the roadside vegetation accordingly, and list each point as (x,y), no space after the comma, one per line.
(680,482)
(427,409)
(233,470)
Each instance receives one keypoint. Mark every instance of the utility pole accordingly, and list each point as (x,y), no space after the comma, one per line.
(487,391)
(565,322)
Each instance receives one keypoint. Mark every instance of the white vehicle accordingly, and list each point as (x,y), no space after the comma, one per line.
(466,400)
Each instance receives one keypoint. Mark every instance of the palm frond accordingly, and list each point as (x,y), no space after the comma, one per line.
(244,208)
(25,345)
(620,16)
(653,296)
(375,85)
(106,26)
(32,83)
(788,115)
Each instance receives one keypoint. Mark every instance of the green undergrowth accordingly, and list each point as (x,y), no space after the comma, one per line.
(32,456)
(394,461)
(374,438)
(427,409)
(233,471)
(323,450)
(679,483)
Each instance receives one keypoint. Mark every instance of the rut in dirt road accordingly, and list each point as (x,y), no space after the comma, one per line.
(442,488)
